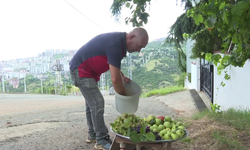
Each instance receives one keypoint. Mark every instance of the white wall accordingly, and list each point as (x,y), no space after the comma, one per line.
(236,92)
(195,74)
(189,45)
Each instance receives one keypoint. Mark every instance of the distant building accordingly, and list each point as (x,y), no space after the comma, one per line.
(14,82)
(51,52)
(57,51)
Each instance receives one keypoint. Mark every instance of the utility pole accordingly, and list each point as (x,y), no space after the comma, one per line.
(58,68)
(3,83)
(41,86)
(24,82)
(130,66)
(65,88)
(55,87)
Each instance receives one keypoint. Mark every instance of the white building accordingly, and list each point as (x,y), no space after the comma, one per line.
(235,93)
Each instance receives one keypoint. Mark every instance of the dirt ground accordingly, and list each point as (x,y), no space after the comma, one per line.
(53,122)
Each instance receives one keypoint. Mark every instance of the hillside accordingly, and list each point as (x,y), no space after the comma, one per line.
(154,67)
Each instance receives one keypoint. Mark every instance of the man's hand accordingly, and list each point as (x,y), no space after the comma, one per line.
(126,79)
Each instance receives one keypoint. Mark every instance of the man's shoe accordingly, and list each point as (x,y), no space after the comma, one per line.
(103,144)
(91,139)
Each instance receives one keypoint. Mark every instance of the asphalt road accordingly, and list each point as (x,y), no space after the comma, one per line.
(54,122)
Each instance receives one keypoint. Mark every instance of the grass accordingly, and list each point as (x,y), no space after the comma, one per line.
(208,130)
(163,91)
(213,130)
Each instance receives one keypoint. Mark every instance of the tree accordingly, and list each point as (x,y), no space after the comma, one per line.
(230,20)
(213,24)
(140,17)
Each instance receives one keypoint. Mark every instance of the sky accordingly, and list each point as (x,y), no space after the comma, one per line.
(30,27)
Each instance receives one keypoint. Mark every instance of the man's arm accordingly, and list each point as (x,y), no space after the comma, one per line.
(124,78)
(116,78)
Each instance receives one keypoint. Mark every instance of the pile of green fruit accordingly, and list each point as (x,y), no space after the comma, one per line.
(151,128)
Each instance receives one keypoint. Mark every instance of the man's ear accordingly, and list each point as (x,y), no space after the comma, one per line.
(131,36)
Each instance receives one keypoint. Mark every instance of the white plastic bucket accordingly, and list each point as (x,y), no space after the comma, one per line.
(129,103)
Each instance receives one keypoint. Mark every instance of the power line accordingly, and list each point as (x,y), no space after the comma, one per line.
(84,15)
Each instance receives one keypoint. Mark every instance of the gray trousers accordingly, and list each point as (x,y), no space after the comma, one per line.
(94,104)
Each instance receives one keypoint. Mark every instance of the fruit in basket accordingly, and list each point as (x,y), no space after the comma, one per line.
(178,123)
(150,128)
(161,133)
(160,127)
(161,117)
(167,124)
(158,121)
(181,127)
(150,117)
(123,124)
(167,137)
(174,136)
(167,118)
(180,133)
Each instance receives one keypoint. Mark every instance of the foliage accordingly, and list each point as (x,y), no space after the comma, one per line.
(229,20)
(164,91)
(182,78)
(140,17)
(221,25)
(156,68)
(137,7)
(215,107)
(182,25)
(58,56)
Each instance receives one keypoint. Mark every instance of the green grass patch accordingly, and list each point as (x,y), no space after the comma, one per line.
(236,118)
(226,141)
(163,91)
(152,63)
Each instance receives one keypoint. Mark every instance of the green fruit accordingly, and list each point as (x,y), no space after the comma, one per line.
(150,117)
(181,127)
(167,137)
(180,133)
(154,126)
(160,127)
(167,118)
(158,121)
(178,123)
(155,130)
(174,136)
(151,128)
(161,133)
(168,129)
(167,124)
(174,127)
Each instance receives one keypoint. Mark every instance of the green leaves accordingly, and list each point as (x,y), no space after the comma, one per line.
(222,5)
(197,17)
(230,22)
(210,21)
(138,15)
(127,122)
(127,5)
(142,136)
(239,8)
(134,137)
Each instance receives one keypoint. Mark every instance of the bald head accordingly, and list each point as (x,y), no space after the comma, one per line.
(136,40)
(142,33)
